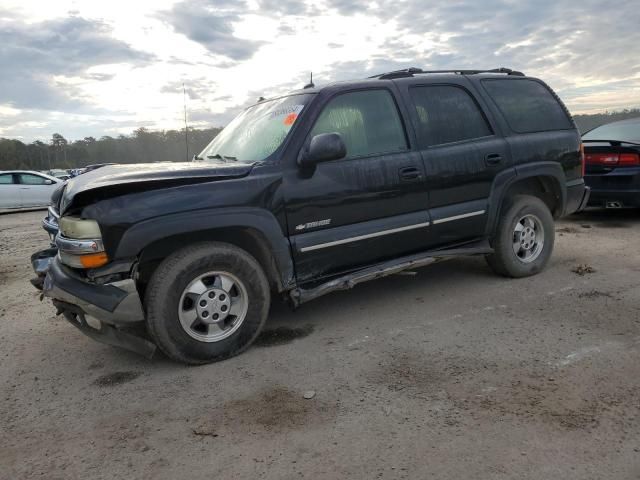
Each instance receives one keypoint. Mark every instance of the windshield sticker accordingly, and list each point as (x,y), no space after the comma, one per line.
(289,119)
(290,114)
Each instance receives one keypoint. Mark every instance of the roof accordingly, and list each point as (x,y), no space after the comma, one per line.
(411,72)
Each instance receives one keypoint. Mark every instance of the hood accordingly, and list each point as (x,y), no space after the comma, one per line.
(121,179)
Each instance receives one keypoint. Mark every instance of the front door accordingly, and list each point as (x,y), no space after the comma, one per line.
(368,207)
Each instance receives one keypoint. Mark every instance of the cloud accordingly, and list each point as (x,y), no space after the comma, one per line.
(210,23)
(230,52)
(32,54)
(283,7)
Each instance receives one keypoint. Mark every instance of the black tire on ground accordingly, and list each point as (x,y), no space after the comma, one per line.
(504,260)
(175,273)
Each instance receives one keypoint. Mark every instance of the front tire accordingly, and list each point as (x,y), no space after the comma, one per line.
(207,302)
(524,238)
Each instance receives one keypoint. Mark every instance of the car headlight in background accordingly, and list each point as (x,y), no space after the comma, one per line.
(80,243)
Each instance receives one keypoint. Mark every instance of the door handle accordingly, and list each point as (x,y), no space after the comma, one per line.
(409,174)
(493,159)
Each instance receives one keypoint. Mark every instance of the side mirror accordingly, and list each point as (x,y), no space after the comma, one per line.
(323,148)
(48,182)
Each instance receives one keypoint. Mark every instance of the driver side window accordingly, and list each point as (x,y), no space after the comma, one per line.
(367,120)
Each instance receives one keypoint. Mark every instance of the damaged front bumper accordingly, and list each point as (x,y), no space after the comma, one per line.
(114,306)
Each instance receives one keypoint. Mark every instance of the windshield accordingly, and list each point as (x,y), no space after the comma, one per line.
(625,132)
(257,132)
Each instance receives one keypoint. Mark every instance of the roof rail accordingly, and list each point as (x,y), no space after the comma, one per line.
(410,72)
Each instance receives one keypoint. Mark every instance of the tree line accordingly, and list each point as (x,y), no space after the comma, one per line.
(142,146)
(145,146)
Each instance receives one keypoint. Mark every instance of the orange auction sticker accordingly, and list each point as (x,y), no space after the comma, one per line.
(289,119)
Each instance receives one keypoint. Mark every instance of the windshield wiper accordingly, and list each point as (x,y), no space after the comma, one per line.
(224,158)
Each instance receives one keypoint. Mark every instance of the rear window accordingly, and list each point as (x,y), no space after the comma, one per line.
(527,105)
(624,132)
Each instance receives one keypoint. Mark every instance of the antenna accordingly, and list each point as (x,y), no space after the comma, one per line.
(186,127)
(310,84)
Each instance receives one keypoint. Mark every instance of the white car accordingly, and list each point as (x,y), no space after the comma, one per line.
(26,189)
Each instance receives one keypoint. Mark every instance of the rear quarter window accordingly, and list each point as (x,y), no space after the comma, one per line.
(527,105)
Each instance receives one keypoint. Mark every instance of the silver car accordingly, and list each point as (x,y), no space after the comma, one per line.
(26,189)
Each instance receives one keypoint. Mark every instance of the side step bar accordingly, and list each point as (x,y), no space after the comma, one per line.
(391,267)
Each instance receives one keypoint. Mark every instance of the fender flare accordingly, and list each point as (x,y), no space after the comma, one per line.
(508,177)
(143,234)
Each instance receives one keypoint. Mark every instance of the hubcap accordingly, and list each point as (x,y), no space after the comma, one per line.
(528,238)
(213,306)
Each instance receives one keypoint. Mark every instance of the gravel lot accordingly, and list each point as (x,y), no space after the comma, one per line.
(451,373)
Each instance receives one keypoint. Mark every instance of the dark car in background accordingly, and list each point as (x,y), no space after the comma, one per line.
(612,163)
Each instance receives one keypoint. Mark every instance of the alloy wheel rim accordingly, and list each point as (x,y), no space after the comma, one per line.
(213,306)
(528,238)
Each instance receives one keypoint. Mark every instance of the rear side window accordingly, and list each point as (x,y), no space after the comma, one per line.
(446,114)
(527,105)
(368,122)
(6,179)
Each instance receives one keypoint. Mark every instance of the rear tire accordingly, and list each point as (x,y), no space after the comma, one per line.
(206,302)
(523,241)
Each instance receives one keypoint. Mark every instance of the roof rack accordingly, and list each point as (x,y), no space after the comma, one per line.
(410,72)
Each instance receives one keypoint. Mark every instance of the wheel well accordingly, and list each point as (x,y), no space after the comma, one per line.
(248,239)
(546,188)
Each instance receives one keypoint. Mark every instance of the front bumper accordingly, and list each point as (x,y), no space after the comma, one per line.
(114,305)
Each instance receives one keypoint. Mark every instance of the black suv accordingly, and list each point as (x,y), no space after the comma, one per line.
(313,192)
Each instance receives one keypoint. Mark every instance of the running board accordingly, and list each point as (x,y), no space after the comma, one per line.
(391,267)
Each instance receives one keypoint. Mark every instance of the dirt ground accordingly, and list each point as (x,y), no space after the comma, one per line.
(452,373)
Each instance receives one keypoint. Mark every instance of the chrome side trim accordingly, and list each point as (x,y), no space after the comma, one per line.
(364,237)
(458,217)
(78,247)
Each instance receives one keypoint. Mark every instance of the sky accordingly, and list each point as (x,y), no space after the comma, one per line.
(94,68)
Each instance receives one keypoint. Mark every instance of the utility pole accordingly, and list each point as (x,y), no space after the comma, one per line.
(186,127)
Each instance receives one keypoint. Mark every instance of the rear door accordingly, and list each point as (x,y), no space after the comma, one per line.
(462,155)
(367,207)
(36,190)
(10,194)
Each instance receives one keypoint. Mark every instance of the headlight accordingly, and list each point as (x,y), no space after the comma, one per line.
(80,243)
(73,227)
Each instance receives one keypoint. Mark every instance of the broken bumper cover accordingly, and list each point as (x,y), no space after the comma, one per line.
(114,303)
